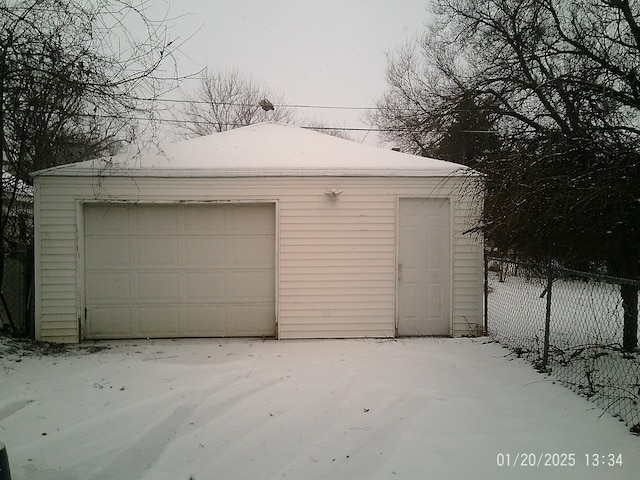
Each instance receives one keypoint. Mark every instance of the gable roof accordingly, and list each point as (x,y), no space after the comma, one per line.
(264,149)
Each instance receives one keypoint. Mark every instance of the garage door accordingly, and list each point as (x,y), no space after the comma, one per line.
(179,270)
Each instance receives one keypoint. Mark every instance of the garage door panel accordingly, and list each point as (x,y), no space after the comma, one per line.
(435,295)
(161,287)
(179,270)
(109,322)
(208,251)
(107,288)
(204,219)
(257,286)
(156,219)
(159,321)
(206,286)
(107,219)
(107,252)
(251,320)
(253,250)
(157,252)
(254,219)
(209,320)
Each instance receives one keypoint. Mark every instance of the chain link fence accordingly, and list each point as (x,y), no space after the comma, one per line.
(569,324)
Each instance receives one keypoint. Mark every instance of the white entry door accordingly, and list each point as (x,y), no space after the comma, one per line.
(424,267)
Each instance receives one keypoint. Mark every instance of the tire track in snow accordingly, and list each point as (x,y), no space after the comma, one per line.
(354,444)
(207,436)
(133,461)
(13,407)
(139,457)
(80,439)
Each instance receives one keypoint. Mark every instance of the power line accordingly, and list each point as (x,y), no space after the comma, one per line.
(233,104)
(176,121)
(238,125)
(279,105)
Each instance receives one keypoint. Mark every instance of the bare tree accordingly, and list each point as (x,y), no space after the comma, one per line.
(224,101)
(556,83)
(418,100)
(72,73)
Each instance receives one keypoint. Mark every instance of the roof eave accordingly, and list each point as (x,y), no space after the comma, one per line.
(231,173)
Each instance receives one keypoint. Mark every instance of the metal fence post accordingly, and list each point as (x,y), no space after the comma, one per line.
(547,318)
(486,293)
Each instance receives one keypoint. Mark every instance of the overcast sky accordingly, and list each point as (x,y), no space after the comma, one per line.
(309,52)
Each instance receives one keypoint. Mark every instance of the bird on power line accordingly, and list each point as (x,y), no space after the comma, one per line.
(266,105)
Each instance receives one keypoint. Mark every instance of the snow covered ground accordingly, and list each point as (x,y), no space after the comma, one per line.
(321,409)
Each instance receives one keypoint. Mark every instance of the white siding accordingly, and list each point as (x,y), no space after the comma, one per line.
(335,262)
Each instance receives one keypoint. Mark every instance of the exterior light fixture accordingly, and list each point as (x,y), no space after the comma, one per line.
(333,193)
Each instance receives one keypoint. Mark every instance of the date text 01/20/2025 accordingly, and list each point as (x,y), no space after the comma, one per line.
(558,459)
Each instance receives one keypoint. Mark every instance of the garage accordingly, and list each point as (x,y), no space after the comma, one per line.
(179,270)
(268,230)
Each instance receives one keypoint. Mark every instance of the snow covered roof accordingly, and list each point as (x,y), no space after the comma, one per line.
(264,149)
